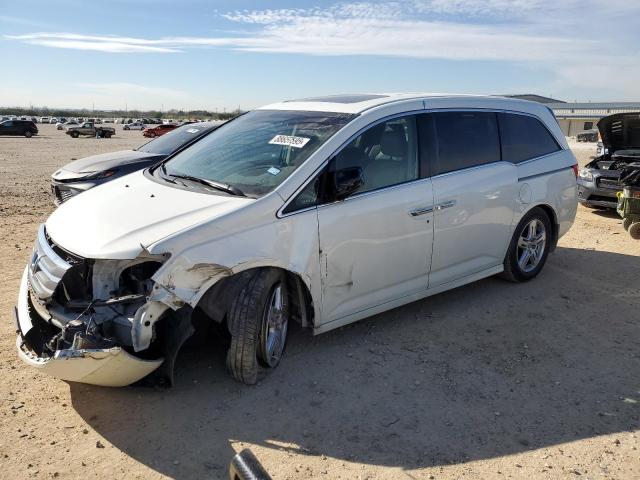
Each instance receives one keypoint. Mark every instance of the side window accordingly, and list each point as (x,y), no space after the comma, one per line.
(386,152)
(309,196)
(465,139)
(524,137)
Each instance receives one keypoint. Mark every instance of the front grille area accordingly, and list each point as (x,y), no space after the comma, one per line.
(609,183)
(46,267)
(61,195)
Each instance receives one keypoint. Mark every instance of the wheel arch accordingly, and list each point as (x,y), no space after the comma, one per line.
(216,297)
(553,218)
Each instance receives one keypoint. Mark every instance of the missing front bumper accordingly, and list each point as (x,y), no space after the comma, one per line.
(112,367)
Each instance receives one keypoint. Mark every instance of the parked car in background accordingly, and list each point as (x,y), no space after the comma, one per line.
(134,126)
(54,120)
(21,128)
(45,119)
(69,124)
(587,136)
(158,130)
(321,211)
(90,129)
(85,173)
(599,180)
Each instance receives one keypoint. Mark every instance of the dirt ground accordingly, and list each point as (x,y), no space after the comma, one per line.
(492,380)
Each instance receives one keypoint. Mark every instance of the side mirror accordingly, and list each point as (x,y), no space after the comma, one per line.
(346,181)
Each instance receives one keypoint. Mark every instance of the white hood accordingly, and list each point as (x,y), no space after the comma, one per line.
(115,220)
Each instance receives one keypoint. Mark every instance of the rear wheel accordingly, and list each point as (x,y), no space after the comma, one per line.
(258,322)
(151,134)
(106,134)
(28,134)
(74,134)
(634,231)
(529,247)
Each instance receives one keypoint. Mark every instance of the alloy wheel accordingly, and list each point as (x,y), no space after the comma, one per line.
(274,327)
(531,245)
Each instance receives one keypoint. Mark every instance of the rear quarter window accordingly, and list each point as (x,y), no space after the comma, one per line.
(524,138)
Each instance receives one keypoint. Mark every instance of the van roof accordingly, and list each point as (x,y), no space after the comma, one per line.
(360,102)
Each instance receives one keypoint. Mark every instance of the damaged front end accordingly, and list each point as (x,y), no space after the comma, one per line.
(103,322)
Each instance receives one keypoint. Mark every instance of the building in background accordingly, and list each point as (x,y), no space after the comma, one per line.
(578,117)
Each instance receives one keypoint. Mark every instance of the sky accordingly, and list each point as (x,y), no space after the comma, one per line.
(192,54)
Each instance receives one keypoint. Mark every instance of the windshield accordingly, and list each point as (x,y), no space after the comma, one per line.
(172,141)
(257,151)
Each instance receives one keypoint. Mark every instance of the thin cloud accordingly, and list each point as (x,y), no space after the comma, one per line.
(541,34)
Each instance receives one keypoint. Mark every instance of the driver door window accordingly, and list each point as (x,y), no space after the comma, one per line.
(386,153)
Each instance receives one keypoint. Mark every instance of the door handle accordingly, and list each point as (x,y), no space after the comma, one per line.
(444,205)
(420,211)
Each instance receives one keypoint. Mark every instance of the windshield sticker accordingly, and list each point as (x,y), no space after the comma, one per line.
(193,130)
(297,142)
(274,171)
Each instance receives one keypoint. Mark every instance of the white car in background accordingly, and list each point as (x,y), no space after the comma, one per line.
(321,211)
(134,126)
(65,125)
(45,119)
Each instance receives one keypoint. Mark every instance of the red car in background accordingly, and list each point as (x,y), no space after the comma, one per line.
(158,130)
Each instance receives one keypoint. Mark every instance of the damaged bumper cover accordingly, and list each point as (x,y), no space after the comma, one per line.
(112,366)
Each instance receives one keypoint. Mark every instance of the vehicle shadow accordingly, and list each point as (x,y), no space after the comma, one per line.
(607,213)
(483,371)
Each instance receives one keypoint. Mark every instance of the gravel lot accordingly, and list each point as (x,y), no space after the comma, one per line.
(492,380)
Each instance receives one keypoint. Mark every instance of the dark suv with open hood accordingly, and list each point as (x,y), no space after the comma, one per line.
(599,180)
(89,172)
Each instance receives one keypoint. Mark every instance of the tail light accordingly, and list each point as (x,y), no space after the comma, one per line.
(575,170)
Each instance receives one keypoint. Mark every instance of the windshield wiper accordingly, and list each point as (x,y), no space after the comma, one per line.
(165,175)
(209,183)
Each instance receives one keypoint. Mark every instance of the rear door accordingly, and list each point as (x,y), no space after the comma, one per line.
(474,194)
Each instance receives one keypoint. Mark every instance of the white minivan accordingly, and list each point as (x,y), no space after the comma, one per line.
(320,211)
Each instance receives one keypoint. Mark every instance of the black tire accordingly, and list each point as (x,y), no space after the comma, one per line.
(107,135)
(245,323)
(28,133)
(626,223)
(512,269)
(74,134)
(152,135)
(634,231)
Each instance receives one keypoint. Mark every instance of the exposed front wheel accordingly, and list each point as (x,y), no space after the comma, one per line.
(634,230)
(28,134)
(529,247)
(258,322)
(74,134)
